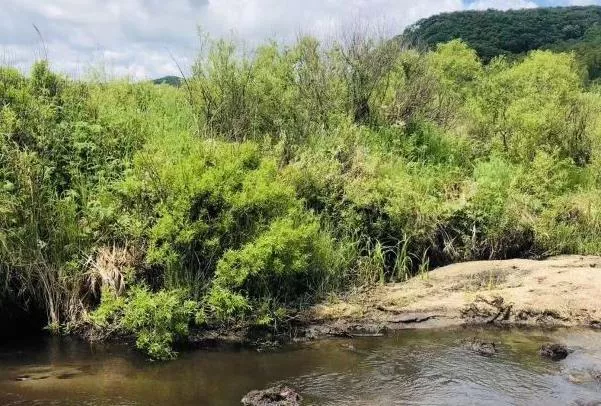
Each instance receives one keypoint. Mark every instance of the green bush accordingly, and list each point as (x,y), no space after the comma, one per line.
(288,261)
(571,225)
(157,320)
(535,105)
(198,201)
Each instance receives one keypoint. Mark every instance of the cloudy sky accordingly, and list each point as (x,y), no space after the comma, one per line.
(136,37)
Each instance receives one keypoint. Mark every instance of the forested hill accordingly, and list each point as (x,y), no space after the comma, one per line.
(493,32)
(169,80)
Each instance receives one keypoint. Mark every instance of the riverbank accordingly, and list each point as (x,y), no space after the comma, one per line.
(144,211)
(561,291)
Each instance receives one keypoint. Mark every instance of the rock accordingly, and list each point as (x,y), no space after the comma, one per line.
(555,352)
(23,378)
(487,349)
(349,347)
(276,396)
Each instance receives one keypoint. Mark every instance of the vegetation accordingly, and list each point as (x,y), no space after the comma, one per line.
(267,181)
(158,319)
(516,32)
(168,80)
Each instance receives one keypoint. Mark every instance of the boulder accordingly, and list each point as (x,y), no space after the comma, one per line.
(487,349)
(555,352)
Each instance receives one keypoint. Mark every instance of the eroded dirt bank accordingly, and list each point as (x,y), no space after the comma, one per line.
(559,291)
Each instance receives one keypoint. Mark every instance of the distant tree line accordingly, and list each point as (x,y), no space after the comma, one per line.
(515,32)
(168,80)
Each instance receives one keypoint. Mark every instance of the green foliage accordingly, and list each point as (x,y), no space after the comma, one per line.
(493,32)
(198,201)
(268,180)
(169,80)
(282,264)
(55,152)
(572,224)
(284,93)
(457,67)
(536,105)
(61,144)
(157,320)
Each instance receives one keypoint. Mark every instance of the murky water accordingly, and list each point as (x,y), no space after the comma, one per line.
(409,368)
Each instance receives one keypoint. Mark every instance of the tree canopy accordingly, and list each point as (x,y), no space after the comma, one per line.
(515,32)
(168,80)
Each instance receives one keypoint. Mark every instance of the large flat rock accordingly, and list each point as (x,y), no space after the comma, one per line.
(559,291)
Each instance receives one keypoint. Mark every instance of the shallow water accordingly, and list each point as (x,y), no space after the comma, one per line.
(408,368)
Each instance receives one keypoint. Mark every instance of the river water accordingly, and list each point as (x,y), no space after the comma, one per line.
(407,368)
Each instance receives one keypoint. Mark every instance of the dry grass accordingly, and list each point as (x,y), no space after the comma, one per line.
(110,267)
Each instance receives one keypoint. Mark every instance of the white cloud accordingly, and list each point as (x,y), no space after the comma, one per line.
(583,2)
(502,4)
(257,19)
(136,37)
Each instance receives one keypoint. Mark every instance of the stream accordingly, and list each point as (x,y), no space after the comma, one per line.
(414,367)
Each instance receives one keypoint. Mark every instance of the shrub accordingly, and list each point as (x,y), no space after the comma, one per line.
(288,261)
(571,225)
(536,104)
(198,201)
(157,320)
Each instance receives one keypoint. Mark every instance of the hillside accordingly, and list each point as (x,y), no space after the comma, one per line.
(514,32)
(168,80)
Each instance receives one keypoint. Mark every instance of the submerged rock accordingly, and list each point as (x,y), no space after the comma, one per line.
(275,396)
(487,349)
(555,352)
(582,377)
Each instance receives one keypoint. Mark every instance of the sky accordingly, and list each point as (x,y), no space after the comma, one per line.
(144,38)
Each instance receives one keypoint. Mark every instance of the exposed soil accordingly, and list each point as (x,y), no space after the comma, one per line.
(559,291)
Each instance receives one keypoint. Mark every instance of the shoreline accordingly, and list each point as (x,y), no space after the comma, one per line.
(557,292)
(560,291)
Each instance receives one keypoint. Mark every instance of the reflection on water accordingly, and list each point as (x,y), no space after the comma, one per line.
(409,368)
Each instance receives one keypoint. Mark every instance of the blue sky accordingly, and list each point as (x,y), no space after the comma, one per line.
(136,37)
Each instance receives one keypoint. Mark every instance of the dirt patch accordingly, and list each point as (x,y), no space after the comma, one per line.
(559,291)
